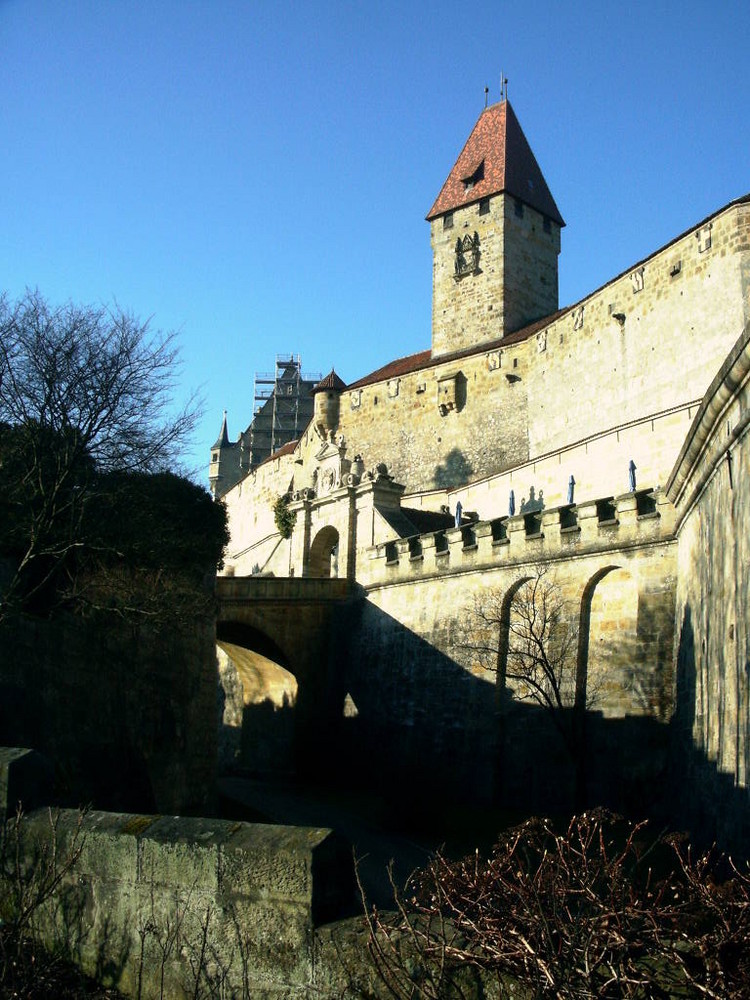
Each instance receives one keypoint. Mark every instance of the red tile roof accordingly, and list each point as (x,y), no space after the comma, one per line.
(415,362)
(331,381)
(285,449)
(498,146)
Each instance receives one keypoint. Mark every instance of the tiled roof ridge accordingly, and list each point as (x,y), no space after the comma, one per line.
(285,449)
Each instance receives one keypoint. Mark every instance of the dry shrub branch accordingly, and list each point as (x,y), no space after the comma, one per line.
(601,910)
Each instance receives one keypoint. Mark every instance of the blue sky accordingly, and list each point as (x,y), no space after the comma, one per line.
(256,175)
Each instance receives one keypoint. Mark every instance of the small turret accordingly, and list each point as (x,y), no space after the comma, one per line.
(222,467)
(327,395)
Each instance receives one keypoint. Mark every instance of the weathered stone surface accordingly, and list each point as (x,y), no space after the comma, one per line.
(152,897)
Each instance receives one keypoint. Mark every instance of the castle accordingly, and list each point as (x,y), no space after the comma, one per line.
(608,438)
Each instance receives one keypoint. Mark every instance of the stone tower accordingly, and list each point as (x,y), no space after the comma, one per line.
(495,233)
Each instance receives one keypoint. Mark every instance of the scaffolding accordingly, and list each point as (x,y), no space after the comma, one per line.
(283,407)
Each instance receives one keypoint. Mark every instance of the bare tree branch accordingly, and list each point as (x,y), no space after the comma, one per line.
(85,391)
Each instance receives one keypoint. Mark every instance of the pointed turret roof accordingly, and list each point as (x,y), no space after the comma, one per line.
(223,439)
(331,381)
(496,158)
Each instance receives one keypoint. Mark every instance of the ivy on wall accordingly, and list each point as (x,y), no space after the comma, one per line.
(283,517)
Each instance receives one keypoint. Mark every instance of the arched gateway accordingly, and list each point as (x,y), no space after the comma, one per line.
(324,553)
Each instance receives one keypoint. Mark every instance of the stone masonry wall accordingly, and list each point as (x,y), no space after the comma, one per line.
(516,278)
(174,907)
(712,643)
(627,364)
(648,341)
(431,708)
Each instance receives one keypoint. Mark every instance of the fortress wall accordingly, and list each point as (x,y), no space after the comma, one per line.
(589,399)
(598,465)
(673,334)
(710,486)
(429,704)
(573,382)
(254,539)
(400,422)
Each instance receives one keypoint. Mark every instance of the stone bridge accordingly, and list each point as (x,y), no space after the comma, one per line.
(292,622)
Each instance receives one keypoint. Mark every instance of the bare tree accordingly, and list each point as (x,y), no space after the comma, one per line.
(85,391)
(525,634)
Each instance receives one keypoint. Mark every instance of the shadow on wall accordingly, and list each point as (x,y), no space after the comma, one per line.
(456,470)
(264,743)
(125,715)
(533,504)
(400,717)
(426,728)
(709,803)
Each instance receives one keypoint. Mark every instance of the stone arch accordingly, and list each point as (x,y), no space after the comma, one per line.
(257,732)
(607,657)
(503,644)
(323,560)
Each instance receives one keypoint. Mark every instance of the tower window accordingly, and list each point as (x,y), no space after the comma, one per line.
(484,206)
(519,208)
(547,224)
(448,220)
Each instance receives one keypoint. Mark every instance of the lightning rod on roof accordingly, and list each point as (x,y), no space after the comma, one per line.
(503,87)
(486,95)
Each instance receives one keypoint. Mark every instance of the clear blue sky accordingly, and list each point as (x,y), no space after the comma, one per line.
(256,175)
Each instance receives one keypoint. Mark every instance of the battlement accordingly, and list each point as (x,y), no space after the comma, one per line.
(626,521)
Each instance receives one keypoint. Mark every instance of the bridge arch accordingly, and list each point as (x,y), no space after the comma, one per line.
(257,733)
(323,561)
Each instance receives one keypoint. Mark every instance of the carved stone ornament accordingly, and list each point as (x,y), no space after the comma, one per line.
(541,341)
(446,394)
(494,360)
(704,238)
(393,385)
(578,318)
(467,256)
(328,480)
(356,398)
(637,279)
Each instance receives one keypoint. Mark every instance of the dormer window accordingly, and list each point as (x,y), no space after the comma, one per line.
(474,177)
